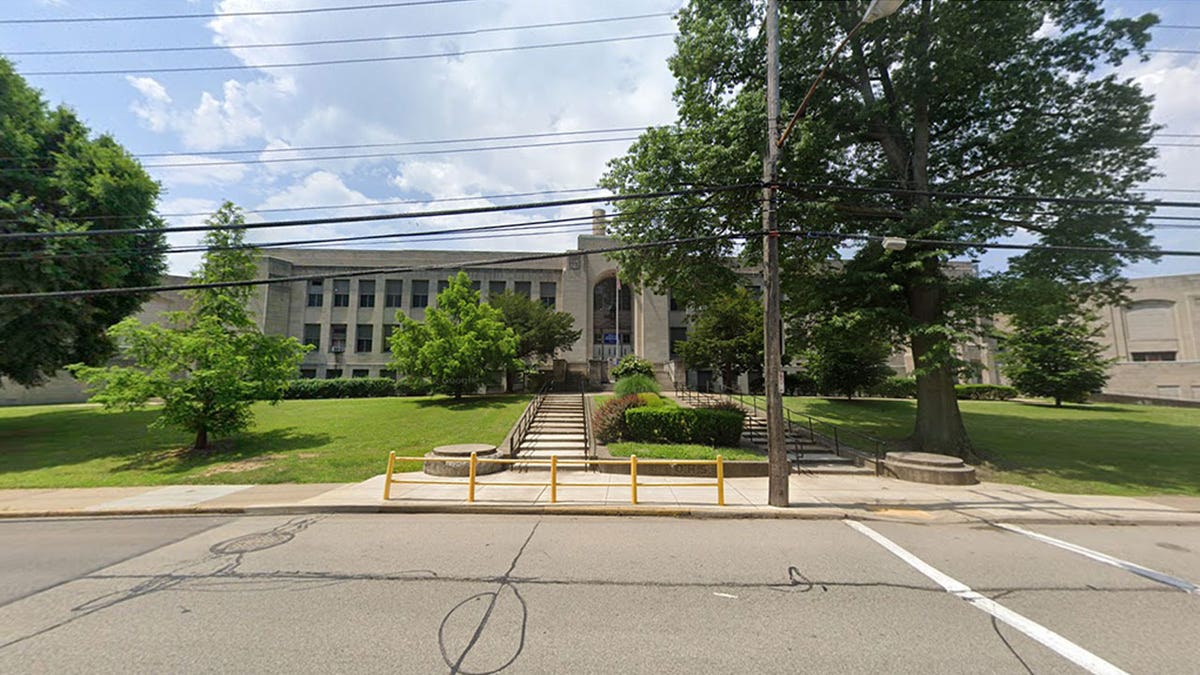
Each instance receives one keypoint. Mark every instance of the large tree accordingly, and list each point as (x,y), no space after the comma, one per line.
(55,176)
(207,364)
(726,334)
(541,331)
(993,98)
(460,345)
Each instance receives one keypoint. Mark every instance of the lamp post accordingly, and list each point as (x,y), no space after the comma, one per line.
(778,468)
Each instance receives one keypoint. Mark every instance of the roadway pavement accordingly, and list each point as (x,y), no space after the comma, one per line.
(812,497)
(474,593)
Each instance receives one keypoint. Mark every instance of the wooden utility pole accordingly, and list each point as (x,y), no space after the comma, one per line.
(778,467)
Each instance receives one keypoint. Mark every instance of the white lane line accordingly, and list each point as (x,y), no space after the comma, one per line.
(1153,575)
(1064,647)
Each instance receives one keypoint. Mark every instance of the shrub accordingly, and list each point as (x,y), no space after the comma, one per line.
(725,405)
(706,426)
(631,364)
(356,387)
(652,400)
(799,384)
(895,387)
(635,384)
(984,392)
(608,424)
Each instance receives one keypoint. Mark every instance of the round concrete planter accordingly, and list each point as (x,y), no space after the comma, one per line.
(462,468)
(926,467)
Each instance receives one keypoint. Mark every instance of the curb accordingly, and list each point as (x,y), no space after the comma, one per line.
(699,513)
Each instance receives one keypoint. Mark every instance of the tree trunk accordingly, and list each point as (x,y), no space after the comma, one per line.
(729,380)
(1057,402)
(201,442)
(939,426)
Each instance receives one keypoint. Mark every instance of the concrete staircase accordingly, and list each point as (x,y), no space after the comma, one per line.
(558,429)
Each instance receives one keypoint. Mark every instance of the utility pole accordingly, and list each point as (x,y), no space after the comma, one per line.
(778,468)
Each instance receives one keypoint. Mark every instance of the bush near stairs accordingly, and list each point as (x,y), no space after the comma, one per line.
(706,426)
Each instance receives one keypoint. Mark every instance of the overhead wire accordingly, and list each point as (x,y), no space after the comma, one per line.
(218,15)
(331,62)
(337,41)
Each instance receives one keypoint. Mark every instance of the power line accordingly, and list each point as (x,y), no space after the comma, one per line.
(493,208)
(326,207)
(218,15)
(1078,201)
(371,155)
(511,260)
(341,41)
(330,62)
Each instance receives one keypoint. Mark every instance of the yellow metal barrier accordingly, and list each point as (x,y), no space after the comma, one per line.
(554,483)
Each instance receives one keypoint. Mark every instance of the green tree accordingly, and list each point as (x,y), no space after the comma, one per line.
(541,332)
(726,334)
(1062,360)
(56,177)
(208,364)
(460,346)
(845,356)
(965,97)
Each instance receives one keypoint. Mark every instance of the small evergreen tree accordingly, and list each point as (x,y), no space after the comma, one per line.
(1060,360)
(846,357)
(207,364)
(460,345)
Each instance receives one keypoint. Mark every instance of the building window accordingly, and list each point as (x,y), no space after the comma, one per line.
(363,334)
(549,292)
(678,335)
(497,287)
(1141,357)
(385,343)
(366,293)
(476,285)
(333,373)
(393,292)
(337,338)
(443,285)
(360,372)
(308,373)
(316,292)
(523,288)
(672,303)
(312,335)
(341,292)
(388,374)
(420,294)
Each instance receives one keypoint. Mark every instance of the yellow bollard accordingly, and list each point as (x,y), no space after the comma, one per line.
(387,486)
(471,489)
(633,477)
(720,481)
(553,479)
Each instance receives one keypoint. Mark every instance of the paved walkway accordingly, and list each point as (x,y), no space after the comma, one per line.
(812,497)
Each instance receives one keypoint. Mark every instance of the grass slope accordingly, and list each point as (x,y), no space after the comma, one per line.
(1098,449)
(312,441)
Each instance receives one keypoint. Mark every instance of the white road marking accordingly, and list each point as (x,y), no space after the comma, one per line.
(1153,575)
(725,595)
(1064,647)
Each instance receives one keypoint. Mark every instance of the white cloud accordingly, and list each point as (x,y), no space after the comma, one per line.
(181,170)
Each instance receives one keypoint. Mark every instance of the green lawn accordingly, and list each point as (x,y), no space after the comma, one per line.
(1098,449)
(312,441)
(680,451)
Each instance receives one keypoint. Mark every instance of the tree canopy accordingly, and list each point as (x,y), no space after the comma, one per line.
(207,364)
(56,177)
(460,346)
(984,98)
(1062,360)
(541,332)
(844,356)
(726,334)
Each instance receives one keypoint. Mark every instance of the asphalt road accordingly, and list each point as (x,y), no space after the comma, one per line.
(472,594)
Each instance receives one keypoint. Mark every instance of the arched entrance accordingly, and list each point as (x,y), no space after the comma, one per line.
(612,330)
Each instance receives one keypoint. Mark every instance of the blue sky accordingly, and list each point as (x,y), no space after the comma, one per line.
(565,89)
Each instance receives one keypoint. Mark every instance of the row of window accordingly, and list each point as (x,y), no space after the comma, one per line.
(393,291)
(337,373)
(364,337)
(1142,357)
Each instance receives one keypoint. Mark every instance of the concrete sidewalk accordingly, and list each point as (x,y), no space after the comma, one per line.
(812,497)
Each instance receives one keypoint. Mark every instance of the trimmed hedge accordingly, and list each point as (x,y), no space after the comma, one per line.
(635,384)
(705,426)
(609,421)
(984,392)
(354,387)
